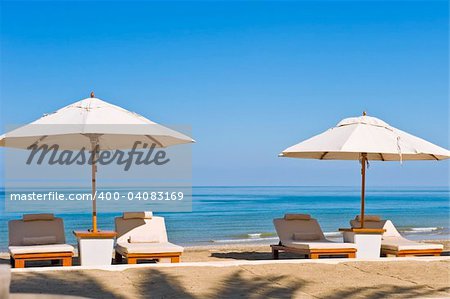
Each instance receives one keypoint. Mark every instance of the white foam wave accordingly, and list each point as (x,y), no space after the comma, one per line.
(253,236)
(419,230)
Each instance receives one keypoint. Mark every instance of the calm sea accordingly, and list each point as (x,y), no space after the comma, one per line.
(224,215)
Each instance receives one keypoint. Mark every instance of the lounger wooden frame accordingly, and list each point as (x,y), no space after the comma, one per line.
(18,260)
(132,258)
(313,253)
(416,252)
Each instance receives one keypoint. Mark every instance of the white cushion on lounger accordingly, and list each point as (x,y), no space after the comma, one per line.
(164,247)
(40,249)
(399,243)
(322,244)
(144,239)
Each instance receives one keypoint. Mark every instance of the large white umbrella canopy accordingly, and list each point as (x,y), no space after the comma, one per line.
(72,127)
(92,124)
(365,138)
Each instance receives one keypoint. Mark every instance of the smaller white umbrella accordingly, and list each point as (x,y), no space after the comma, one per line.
(365,138)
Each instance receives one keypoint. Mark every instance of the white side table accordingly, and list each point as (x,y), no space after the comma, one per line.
(95,248)
(367,240)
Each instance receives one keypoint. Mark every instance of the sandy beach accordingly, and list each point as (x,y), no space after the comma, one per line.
(352,279)
(355,279)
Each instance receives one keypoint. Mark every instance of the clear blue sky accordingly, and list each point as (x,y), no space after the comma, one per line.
(250,78)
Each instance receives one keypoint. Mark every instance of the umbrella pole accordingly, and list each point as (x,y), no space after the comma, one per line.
(363,186)
(94,200)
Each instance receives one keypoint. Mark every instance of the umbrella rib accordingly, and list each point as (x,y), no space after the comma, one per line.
(39,140)
(382,158)
(154,140)
(323,155)
(434,157)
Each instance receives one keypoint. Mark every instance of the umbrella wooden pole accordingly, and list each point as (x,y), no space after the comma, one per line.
(94,200)
(363,186)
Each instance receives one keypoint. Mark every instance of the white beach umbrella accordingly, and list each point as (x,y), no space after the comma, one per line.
(92,124)
(365,139)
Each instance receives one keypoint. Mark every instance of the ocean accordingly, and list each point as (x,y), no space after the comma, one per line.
(226,215)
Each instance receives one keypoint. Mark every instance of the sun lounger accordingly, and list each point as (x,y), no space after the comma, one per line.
(140,235)
(393,243)
(38,237)
(301,234)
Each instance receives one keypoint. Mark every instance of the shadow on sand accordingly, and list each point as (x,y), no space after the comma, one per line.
(74,283)
(389,291)
(152,283)
(254,255)
(240,283)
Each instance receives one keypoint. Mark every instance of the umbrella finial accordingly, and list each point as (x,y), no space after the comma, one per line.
(92,94)
(364,113)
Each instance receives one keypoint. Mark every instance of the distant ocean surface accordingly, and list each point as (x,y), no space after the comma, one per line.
(225,215)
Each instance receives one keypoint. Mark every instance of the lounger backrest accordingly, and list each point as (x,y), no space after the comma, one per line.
(127,228)
(391,231)
(19,229)
(368,224)
(287,228)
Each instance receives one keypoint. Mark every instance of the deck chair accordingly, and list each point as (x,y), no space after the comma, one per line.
(140,235)
(38,237)
(301,234)
(393,243)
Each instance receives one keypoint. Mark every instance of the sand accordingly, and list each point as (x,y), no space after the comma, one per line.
(346,280)
(395,279)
